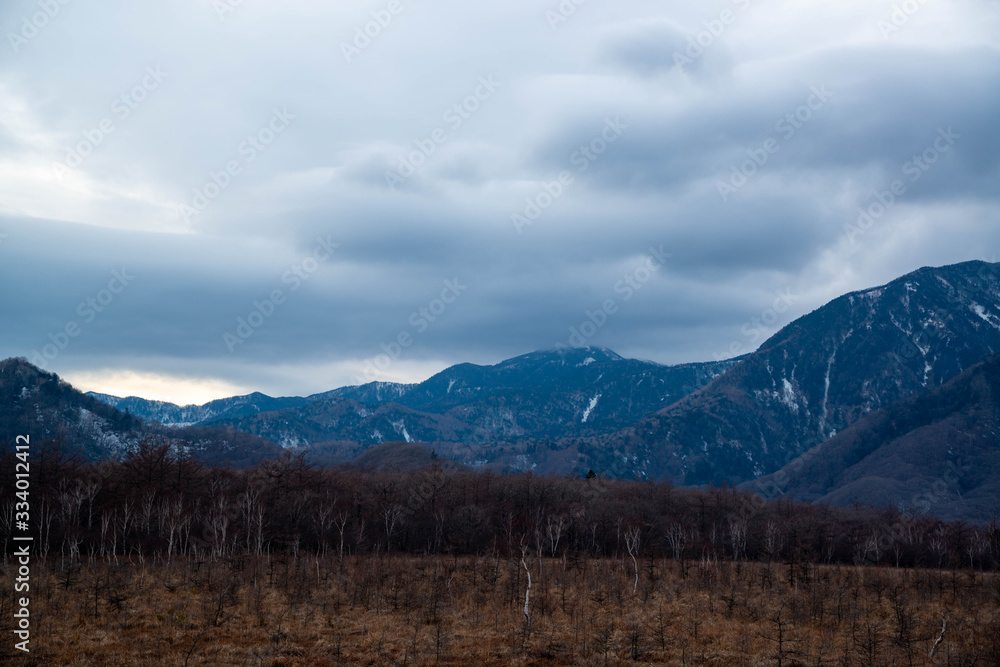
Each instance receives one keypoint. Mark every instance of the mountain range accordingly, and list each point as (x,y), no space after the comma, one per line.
(541,395)
(814,397)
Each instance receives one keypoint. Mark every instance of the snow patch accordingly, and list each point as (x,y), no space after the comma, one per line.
(874,294)
(524,463)
(451,383)
(587,361)
(987,317)
(290,440)
(590,408)
(788,395)
(826,390)
(400,428)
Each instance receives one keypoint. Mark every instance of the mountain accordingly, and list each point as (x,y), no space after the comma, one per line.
(345,419)
(535,397)
(820,374)
(370,394)
(938,452)
(39,404)
(170,414)
(586,389)
(731,421)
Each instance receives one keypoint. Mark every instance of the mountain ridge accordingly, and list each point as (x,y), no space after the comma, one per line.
(694,424)
(537,395)
(40,404)
(938,451)
(822,372)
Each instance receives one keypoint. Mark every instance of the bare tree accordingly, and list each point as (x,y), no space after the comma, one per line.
(944,628)
(324,522)
(632,545)
(341,522)
(676,537)
(218,524)
(738,536)
(90,490)
(527,590)
(175,519)
(554,528)
(391,517)
(773,539)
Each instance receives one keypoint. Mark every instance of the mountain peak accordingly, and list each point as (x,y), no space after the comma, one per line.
(578,354)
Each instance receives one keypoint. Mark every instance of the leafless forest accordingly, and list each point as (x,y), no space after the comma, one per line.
(158,560)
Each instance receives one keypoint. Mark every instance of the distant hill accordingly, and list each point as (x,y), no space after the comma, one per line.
(39,404)
(170,414)
(537,396)
(938,452)
(401,457)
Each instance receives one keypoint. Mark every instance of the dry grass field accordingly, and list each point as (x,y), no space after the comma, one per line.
(441,610)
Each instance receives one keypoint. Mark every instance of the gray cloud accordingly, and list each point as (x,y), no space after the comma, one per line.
(325,176)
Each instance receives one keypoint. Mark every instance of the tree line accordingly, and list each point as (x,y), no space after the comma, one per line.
(157,503)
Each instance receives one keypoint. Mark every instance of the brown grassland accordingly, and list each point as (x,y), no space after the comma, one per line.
(156,559)
(397,609)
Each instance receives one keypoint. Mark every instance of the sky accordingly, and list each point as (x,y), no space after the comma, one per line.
(203,198)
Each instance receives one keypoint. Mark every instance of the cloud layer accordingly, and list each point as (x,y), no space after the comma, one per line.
(331,167)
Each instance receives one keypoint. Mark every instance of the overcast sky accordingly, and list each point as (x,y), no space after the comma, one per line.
(168,168)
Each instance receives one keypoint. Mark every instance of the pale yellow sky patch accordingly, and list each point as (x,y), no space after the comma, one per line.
(179,390)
